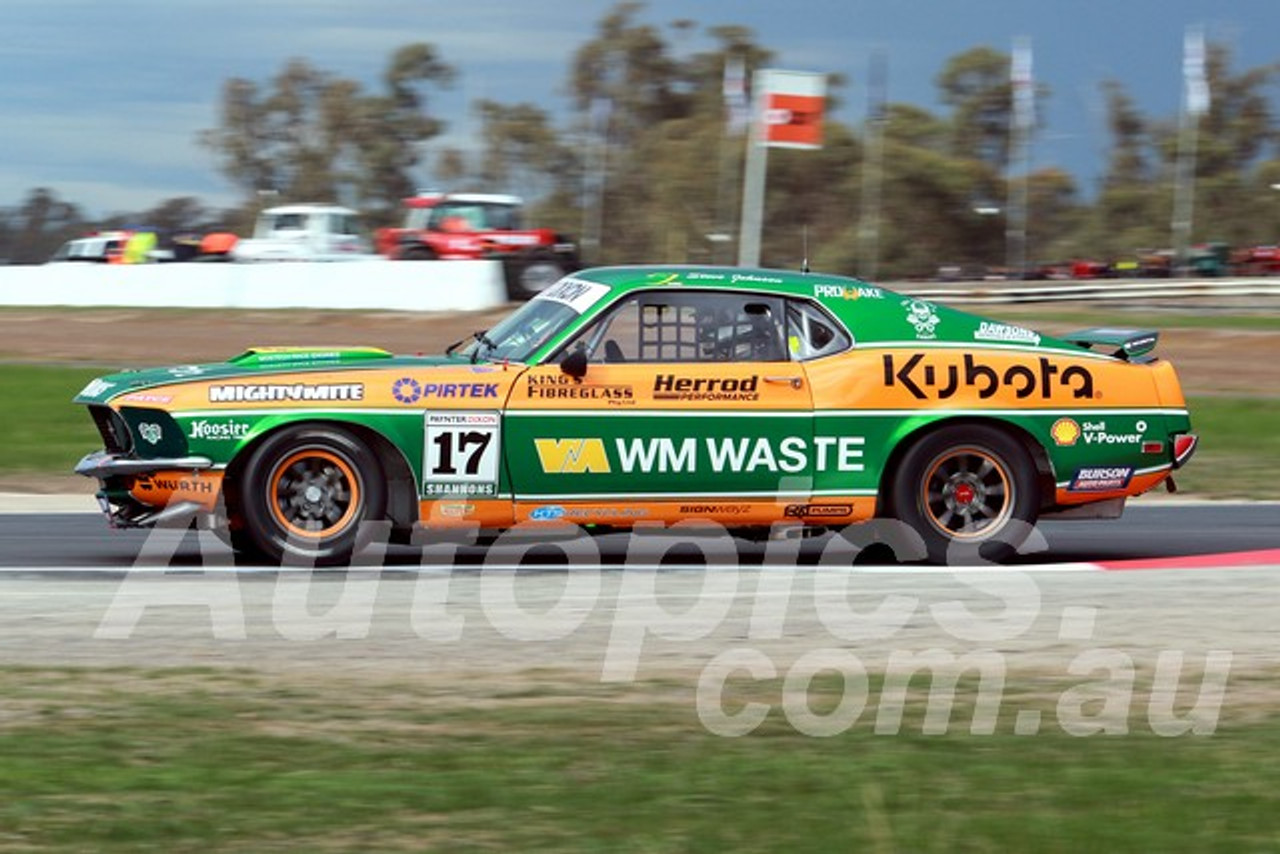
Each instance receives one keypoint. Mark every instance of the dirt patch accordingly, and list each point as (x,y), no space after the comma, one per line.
(1212,361)
(144,337)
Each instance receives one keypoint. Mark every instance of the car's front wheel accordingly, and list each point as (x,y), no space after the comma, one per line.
(970,491)
(305,494)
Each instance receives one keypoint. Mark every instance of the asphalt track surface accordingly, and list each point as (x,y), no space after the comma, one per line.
(69,541)
(484,626)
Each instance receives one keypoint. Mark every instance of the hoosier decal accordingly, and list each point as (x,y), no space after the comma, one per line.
(218,431)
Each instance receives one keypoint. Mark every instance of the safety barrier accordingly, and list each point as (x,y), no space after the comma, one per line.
(465,286)
(366,284)
(1105,289)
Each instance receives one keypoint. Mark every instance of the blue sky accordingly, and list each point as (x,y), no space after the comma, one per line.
(102,101)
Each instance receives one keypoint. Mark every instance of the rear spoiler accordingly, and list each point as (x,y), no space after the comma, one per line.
(1127,344)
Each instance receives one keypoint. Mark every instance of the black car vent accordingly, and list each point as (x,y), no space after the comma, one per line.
(115,433)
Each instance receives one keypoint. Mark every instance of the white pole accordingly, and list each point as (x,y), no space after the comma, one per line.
(753,180)
(872,170)
(1021,124)
(594,178)
(1195,104)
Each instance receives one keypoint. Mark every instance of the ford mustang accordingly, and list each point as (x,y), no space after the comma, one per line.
(649,395)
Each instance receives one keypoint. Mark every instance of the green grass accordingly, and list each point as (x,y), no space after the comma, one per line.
(110,761)
(1144,318)
(44,433)
(1239,452)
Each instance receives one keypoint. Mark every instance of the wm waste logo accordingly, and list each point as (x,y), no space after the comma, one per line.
(572,456)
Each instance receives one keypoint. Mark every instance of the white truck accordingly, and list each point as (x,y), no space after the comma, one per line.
(305,232)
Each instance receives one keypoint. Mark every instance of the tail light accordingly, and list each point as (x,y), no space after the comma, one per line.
(1184,445)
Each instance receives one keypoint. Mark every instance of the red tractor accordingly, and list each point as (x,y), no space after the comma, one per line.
(470,226)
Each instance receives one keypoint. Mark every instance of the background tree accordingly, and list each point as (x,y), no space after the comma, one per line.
(315,136)
(648,163)
(656,120)
(1132,211)
(39,225)
(976,86)
(1233,197)
(522,152)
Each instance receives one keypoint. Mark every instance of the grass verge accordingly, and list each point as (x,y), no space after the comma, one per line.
(1143,317)
(44,434)
(178,761)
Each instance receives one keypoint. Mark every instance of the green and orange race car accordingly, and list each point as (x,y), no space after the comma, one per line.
(650,395)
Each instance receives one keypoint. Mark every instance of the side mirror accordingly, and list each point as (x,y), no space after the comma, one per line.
(575,365)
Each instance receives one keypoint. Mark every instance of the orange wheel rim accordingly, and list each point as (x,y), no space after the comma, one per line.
(314,493)
(967,493)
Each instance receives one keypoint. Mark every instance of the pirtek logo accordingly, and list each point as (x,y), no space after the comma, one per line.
(572,456)
(943,381)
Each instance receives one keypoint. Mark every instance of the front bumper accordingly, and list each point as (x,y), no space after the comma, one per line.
(138,493)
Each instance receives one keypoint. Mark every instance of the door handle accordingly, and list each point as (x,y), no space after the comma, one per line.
(794,382)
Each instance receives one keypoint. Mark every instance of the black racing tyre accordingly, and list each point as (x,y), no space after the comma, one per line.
(530,276)
(971,491)
(417,253)
(304,495)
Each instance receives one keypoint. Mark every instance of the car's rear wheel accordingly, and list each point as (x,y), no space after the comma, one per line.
(305,494)
(970,491)
(534,275)
(418,253)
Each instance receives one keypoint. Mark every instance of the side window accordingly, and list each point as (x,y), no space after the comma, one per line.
(688,326)
(344,224)
(812,334)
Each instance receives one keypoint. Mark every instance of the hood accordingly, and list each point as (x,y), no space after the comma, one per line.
(255,362)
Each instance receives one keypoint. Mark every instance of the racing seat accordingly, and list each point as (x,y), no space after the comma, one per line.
(613,353)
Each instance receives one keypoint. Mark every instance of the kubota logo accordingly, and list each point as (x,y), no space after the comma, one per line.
(572,456)
(943,379)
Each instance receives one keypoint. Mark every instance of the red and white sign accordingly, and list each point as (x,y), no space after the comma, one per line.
(792,105)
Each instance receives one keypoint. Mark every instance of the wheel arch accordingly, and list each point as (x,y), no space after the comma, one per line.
(416,250)
(909,437)
(401,485)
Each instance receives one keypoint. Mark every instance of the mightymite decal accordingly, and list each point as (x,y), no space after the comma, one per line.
(281,392)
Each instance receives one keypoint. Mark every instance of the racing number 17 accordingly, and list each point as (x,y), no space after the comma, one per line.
(445,451)
(461,453)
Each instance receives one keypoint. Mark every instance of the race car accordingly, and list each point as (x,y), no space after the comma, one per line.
(752,399)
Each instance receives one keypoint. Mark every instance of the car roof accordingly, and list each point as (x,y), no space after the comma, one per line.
(822,287)
(872,313)
(309,208)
